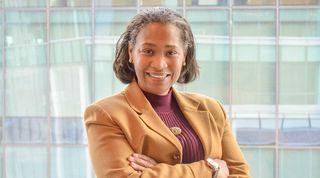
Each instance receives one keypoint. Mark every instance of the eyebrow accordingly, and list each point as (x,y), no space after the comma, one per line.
(153,45)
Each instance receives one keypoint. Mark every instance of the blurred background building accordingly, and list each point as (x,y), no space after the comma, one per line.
(260,58)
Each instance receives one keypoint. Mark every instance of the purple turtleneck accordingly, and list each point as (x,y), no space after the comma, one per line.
(168,110)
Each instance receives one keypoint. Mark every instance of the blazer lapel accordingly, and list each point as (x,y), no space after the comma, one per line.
(141,105)
(200,122)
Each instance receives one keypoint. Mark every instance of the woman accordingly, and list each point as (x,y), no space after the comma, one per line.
(150,129)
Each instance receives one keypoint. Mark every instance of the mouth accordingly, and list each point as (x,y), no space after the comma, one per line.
(158,75)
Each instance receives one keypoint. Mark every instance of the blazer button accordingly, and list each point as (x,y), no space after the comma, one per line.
(176,157)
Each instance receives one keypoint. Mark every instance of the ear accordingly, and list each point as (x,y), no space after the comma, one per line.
(130,49)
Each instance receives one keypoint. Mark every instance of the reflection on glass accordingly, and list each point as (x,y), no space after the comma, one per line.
(70,3)
(254,2)
(304,159)
(26,162)
(253,57)
(211,31)
(255,131)
(20,3)
(26,91)
(112,22)
(25,38)
(299,41)
(68,131)
(261,162)
(70,162)
(70,36)
(69,89)
(299,2)
(25,130)
(208,22)
(115,3)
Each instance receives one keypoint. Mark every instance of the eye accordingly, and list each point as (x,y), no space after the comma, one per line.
(147,51)
(172,53)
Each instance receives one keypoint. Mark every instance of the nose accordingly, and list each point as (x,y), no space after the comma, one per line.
(159,62)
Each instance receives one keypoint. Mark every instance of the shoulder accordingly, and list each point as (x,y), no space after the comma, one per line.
(205,103)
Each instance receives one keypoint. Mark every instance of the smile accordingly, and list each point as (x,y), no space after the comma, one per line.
(158,76)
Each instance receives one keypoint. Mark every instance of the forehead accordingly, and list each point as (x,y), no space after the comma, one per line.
(160,33)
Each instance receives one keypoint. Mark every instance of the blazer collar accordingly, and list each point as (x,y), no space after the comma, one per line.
(198,118)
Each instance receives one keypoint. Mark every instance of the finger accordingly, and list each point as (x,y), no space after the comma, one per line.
(142,162)
(146,158)
(137,167)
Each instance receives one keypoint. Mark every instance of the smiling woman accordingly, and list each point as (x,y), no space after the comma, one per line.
(151,129)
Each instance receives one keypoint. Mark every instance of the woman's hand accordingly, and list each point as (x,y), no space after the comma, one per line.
(224,171)
(140,162)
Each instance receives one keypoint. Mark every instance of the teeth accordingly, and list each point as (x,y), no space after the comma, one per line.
(157,76)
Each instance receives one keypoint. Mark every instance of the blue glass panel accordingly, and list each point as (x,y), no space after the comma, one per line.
(26,162)
(70,162)
(26,130)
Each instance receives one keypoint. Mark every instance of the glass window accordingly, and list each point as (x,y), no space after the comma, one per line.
(26,162)
(261,162)
(299,63)
(299,2)
(70,36)
(99,3)
(258,130)
(70,162)
(1,68)
(26,75)
(253,57)
(306,160)
(206,2)
(210,28)
(70,53)
(25,130)
(70,3)
(24,3)
(69,89)
(112,22)
(68,131)
(254,2)
(170,3)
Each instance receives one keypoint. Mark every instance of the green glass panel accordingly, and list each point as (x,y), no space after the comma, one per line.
(261,162)
(213,80)
(112,22)
(300,23)
(24,3)
(70,3)
(70,36)
(99,3)
(208,22)
(299,163)
(26,162)
(258,23)
(25,38)
(70,162)
(69,89)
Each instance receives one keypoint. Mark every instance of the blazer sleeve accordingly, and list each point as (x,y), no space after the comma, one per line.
(231,153)
(109,151)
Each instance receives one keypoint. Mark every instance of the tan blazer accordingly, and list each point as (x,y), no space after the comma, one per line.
(126,123)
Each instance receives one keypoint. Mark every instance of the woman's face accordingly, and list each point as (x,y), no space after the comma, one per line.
(157,57)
